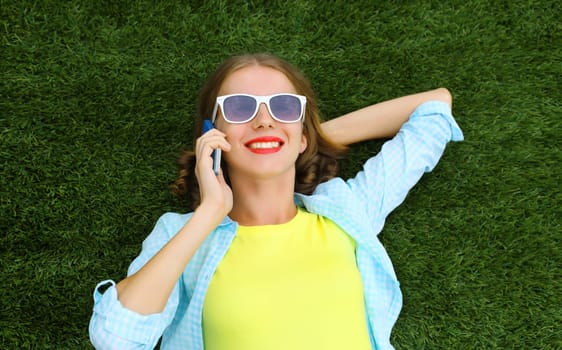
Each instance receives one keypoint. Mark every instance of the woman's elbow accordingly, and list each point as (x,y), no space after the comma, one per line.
(444,95)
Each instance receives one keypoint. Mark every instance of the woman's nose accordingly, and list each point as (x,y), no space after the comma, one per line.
(263,118)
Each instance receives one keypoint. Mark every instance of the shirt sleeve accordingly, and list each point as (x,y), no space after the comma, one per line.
(386,179)
(113,326)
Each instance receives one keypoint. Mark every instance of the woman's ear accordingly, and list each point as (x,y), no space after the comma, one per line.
(304,143)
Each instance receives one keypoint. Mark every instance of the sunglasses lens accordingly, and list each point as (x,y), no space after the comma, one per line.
(286,108)
(238,109)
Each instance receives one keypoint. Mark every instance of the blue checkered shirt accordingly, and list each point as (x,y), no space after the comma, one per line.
(359,206)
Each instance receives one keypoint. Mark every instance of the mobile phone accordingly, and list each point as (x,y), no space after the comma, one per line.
(208,125)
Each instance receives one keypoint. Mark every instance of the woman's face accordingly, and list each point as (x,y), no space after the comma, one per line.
(262,147)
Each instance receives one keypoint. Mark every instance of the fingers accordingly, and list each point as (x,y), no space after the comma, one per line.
(214,190)
(209,141)
(204,147)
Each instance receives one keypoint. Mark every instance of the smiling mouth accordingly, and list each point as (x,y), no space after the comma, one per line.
(264,145)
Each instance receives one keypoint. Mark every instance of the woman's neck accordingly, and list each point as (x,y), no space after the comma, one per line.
(263,201)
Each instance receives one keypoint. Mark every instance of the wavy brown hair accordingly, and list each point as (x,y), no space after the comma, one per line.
(317,164)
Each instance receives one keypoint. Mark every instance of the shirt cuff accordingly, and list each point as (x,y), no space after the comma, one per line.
(120,321)
(444,110)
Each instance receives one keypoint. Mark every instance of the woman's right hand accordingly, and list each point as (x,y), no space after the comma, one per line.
(216,195)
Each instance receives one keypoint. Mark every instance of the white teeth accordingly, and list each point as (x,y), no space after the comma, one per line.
(262,145)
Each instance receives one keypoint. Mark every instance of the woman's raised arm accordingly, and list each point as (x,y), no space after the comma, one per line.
(381,120)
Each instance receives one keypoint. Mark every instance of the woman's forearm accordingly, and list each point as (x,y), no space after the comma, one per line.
(147,291)
(381,120)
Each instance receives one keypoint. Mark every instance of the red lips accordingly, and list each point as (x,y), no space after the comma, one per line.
(264,144)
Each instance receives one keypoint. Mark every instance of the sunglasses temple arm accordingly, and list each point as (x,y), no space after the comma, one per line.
(214,115)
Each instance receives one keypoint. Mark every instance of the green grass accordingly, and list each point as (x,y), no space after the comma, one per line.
(97,98)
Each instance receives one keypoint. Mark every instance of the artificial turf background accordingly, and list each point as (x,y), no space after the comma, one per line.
(96,100)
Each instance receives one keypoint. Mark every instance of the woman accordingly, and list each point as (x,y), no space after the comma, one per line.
(278,253)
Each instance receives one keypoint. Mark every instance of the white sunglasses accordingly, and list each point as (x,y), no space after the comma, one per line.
(241,108)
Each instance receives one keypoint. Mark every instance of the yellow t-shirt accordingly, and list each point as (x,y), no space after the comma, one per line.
(289,286)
